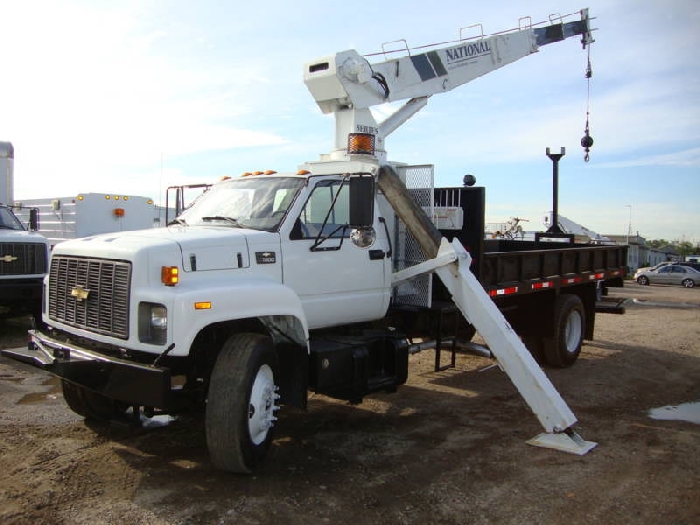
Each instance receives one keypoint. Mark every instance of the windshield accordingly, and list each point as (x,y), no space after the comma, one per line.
(258,203)
(8,221)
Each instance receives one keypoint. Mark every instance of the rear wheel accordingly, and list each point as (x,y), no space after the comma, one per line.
(688,283)
(563,348)
(241,403)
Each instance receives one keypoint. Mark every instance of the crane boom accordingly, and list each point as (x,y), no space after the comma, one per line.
(348,85)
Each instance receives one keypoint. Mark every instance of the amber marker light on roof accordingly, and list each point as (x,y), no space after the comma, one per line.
(169,275)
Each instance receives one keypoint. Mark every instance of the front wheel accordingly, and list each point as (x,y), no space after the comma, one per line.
(241,403)
(688,283)
(643,280)
(563,348)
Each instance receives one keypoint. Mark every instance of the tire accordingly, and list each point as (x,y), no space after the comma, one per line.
(562,350)
(241,403)
(688,283)
(643,280)
(91,405)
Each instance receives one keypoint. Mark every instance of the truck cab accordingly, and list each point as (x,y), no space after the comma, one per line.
(23,263)
(23,254)
(296,231)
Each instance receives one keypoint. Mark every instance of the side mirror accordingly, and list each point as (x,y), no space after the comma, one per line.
(33,219)
(361,201)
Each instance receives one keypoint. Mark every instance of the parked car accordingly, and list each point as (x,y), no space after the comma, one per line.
(669,274)
(693,265)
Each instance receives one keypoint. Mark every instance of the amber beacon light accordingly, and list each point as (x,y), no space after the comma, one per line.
(361,143)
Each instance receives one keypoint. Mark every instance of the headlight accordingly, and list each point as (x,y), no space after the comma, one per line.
(153,323)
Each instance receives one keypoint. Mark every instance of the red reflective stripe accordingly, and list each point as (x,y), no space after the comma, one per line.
(572,280)
(597,276)
(504,291)
(545,284)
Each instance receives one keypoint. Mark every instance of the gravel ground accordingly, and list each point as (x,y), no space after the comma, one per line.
(447,448)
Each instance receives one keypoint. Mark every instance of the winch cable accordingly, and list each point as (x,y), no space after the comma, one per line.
(587,140)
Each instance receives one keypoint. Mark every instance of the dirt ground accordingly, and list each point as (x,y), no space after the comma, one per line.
(448,448)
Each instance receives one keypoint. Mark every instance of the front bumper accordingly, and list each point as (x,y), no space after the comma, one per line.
(119,379)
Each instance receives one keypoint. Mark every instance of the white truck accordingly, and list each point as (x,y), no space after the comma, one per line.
(23,254)
(87,214)
(274,284)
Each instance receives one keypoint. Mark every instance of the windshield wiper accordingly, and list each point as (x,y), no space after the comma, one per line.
(6,227)
(221,218)
(178,220)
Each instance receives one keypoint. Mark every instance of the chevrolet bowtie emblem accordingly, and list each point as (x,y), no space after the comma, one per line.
(8,258)
(80,293)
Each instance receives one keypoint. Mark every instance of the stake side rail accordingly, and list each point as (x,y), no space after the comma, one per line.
(513,273)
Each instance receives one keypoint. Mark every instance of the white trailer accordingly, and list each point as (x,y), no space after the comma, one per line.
(88,214)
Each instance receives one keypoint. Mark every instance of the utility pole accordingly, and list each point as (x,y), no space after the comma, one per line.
(629,227)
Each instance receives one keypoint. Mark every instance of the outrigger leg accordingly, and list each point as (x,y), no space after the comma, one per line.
(451,262)
(452,266)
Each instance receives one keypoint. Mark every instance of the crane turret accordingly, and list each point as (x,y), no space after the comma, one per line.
(348,85)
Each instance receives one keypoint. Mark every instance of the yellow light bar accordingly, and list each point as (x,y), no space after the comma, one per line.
(202,305)
(361,143)
(169,275)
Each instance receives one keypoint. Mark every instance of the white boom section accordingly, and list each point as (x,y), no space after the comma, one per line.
(452,266)
(347,85)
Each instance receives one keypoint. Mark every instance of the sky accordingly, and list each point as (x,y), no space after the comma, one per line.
(130,97)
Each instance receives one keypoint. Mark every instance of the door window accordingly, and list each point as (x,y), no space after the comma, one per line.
(327,212)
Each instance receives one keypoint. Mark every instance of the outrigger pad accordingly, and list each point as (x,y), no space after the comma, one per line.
(572,444)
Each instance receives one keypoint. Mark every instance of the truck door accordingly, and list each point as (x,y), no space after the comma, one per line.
(338,281)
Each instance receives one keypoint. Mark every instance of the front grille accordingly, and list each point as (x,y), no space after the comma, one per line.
(92,294)
(22,258)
